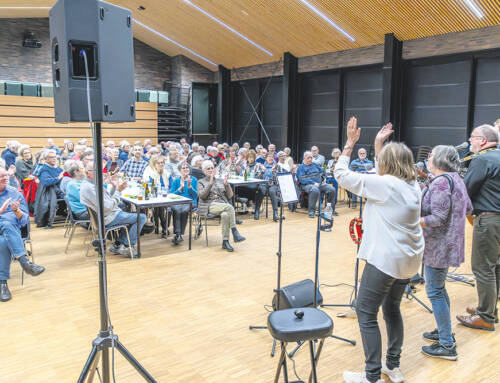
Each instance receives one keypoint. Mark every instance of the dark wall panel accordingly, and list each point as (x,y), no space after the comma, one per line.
(363,100)
(272,105)
(242,112)
(437,104)
(319,112)
(487,101)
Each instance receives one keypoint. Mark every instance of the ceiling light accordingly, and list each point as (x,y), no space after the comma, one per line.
(174,42)
(474,8)
(324,17)
(228,27)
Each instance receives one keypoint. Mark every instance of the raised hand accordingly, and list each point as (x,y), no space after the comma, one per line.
(188,181)
(384,133)
(12,170)
(225,179)
(353,132)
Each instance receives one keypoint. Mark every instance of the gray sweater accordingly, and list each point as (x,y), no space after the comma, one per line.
(111,200)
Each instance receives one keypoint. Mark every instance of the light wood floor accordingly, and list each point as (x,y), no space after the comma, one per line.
(185,314)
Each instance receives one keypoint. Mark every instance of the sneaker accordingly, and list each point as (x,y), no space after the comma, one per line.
(437,350)
(125,250)
(115,248)
(395,375)
(433,336)
(357,377)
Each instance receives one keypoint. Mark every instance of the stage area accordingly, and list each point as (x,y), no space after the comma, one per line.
(185,314)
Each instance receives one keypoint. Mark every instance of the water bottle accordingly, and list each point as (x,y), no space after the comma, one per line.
(328,216)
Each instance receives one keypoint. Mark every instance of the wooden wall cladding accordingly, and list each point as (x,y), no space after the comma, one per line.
(30,120)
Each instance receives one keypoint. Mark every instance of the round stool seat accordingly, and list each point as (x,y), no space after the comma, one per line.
(299,325)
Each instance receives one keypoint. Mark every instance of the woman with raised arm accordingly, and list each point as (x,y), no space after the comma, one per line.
(392,246)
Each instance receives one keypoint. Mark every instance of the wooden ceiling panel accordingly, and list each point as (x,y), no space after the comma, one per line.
(286,25)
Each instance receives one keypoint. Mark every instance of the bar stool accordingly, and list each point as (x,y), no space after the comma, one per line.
(299,325)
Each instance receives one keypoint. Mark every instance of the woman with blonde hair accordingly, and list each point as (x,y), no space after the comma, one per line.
(156,172)
(392,246)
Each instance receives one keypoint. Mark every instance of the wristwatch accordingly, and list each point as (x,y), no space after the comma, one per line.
(348,147)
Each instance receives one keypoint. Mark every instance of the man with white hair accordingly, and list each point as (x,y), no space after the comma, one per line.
(52,146)
(309,175)
(113,214)
(318,159)
(14,215)
(110,144)
(483,186)
(10,153)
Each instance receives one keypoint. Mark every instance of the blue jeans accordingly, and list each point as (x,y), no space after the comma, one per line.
(13,246)
(436,292)
(129,219)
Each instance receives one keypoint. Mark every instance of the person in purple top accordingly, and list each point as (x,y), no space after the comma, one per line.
(445,204)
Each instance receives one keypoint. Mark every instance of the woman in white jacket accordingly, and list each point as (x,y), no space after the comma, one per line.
(156,171)
(392,246)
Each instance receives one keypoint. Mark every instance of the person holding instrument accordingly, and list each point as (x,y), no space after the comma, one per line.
(392,246)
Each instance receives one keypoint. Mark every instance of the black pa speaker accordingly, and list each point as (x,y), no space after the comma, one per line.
(298,294)
(104,32)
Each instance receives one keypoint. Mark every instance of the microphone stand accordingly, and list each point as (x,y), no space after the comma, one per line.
(316,278)
(278,278)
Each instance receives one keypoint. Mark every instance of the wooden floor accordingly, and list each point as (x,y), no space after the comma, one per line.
(185,314)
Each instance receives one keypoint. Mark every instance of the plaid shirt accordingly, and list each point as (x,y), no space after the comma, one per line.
(134,168)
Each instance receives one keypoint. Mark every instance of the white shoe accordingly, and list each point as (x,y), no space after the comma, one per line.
(395,375)
(357,377)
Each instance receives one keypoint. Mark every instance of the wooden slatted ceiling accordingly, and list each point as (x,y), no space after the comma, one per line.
(288,25)
(30,120)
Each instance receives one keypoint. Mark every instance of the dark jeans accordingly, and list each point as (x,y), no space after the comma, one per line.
(83,216)
(180,218)
(314,192)
(379,289)
(273,195)
(247,191)
(485,255)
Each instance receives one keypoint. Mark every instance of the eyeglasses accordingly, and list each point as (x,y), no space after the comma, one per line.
(476,137)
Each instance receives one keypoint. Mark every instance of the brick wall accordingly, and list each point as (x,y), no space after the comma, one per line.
(17,63)
(186,71)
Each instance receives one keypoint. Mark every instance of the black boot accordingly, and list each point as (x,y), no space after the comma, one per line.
(4,292)
(237,236)
(276,217)
(227,246)
(32,269)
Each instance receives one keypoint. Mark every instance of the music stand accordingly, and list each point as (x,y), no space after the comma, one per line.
(288,194)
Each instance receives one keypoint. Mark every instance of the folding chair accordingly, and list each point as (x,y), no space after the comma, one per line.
(73,223)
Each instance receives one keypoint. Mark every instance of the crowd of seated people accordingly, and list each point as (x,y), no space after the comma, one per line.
(64,175)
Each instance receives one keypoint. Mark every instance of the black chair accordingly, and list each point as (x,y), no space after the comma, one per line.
(202,221)
(26,237)
(299,325)
(73,223)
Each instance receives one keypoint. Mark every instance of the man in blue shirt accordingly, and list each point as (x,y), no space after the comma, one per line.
(360,165)
(13,216)
(10,153)
(309,175)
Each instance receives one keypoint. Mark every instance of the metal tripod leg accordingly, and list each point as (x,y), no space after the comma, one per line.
(273,350)
(90,364)
(409,292)
(281,363)
(130,358)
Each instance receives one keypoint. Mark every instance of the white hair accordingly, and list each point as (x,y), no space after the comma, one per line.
(47,152)
(206,164)
(307,152)
(336,150)
(11,144)
(489,132)
(22,148)
(195,160)
(124,143)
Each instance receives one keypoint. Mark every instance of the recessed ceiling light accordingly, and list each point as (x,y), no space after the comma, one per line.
(174,42)
(244,12)
(228,27)
(324,17)
(474,8)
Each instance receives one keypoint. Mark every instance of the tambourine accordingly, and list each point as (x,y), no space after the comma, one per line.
(356,223)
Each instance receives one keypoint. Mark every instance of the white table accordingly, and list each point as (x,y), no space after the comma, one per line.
(169,200)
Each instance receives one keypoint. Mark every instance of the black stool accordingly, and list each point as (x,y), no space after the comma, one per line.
(299,325)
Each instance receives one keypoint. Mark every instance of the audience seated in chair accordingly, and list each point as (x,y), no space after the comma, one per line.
(185,186)
(13,216)
(48,193)
(24,163)
(360,165)
(156,172)
(215,194)
(269,168)
(318,159)
(70,168)
(113,215)
(10,153)
(309,175)
(196,171)
(78,209)
(134,167)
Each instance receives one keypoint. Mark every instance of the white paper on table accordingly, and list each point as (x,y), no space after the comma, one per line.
(287,188)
